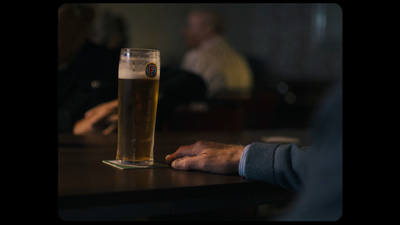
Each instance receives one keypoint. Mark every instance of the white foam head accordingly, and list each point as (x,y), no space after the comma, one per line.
(129,69)
(139,64)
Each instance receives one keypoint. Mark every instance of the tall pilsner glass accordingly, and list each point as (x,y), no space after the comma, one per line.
(138,81)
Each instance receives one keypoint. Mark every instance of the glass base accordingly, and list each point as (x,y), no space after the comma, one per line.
(138,163)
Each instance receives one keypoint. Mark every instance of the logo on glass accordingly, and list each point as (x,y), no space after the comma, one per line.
(151,70)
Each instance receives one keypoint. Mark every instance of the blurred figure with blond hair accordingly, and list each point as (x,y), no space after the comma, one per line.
(212,57)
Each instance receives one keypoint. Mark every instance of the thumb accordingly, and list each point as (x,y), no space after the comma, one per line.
(187,163)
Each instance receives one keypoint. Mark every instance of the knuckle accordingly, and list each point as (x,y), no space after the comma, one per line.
(199,143)
(182,164)
(185,164)
(178,151)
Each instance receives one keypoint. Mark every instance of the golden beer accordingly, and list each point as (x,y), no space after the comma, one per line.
(138,84)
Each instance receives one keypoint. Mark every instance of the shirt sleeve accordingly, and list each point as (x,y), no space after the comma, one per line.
(242,161)
(280,164)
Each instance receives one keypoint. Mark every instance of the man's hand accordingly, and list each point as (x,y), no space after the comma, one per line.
(100,119)
(208,156)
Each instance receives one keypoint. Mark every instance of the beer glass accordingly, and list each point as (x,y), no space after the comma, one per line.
(138,81)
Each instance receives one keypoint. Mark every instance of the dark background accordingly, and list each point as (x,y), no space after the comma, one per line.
(294,50)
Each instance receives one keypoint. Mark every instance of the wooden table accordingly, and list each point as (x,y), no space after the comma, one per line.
(91,190)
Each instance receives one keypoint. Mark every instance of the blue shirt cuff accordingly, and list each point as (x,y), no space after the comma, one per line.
(242,161)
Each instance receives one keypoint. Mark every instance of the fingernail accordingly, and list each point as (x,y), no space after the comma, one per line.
(167,156)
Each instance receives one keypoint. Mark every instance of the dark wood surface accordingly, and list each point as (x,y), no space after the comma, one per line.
(91,190)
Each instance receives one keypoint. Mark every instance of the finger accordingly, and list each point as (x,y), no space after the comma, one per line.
(99,117)
(91,111)
(112,106)
(103,114)
(184,150)
(113,118)
(109,129)
(113,103)
(111,122)
(189,163)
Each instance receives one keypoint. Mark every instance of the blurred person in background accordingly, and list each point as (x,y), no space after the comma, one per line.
(87,75)
(212,57)
(109,30)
